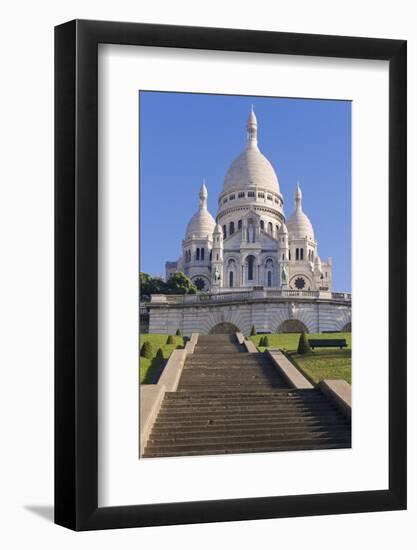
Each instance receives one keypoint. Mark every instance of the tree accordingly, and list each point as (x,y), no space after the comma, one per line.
(253,331)
(150,285)
(159,354)
(146,350)
(178,283)
(262,342)
(266,342)
(170,340)
(303,345)
(178,333)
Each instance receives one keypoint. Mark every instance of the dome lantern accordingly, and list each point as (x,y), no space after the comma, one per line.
(252,130)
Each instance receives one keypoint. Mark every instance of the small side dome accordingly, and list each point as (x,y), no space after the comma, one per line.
(202,222)
(299,226)
(317,263)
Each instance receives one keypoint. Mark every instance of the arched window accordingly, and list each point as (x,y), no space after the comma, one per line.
(283,256)
(202,254)
(197,254)
(270,228)
(277,229)
(301,253)
(239,224)
(224,231)
(217,256)
(211,255)
(262,225)
(250,262)
(231,228)
(231,279)
(297,254)
(289,254)
(269,278)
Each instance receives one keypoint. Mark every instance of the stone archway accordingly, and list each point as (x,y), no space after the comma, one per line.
(347,327)
(224,328)
(292,325)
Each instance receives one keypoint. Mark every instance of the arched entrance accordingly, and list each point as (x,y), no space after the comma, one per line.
(292,325)
(224,328)
(347,327)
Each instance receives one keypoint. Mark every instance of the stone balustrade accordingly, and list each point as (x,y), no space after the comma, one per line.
(248,295)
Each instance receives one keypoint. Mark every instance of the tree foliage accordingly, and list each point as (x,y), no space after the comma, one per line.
(159,354)
(303,345)
(253,331)
(170,340)
(146,350)
(178,283)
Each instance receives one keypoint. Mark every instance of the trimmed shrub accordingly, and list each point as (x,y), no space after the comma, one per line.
(178,333)
(159,354)
(261,341)
(170,340)
(266,342)
(146,350)
(303,345)
(253,331)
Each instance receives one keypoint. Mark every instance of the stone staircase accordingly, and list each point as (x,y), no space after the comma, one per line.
(230,401)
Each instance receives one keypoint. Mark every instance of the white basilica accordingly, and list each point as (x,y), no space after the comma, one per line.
(251,244)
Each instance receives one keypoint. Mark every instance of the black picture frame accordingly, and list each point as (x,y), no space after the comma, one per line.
(76,273)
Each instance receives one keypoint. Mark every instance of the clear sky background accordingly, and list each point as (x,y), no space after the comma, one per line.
(187,137)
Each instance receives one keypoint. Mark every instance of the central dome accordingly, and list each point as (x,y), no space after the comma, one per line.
(251,168)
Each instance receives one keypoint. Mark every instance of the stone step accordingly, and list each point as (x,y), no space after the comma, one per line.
(224,394)
(225,378)
(249,397)
(245,401)
(235,421)
(248,372)
(252,444)
(239,405)
(234,367)
(219,350)
(271,447)
(250,426)
(245,438)
(217,337)
(255,386)
(178,416)
(229,390)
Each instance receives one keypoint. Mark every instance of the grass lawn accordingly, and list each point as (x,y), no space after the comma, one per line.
(149,368)
(322,363)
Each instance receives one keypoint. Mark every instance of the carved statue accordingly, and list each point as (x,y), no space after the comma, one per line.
(284,274)
(251,233)
(217,275)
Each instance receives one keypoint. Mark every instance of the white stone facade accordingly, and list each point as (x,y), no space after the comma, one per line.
(250,244)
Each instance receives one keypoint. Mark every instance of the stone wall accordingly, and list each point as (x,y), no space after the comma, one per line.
(267,315)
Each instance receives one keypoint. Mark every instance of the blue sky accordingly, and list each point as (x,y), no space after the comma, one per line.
(187,137)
